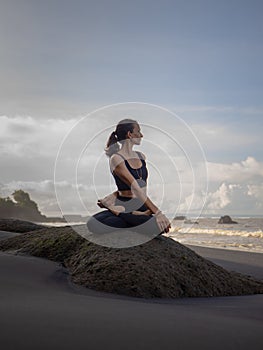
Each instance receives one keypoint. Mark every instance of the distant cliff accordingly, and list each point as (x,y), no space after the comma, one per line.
(22,207)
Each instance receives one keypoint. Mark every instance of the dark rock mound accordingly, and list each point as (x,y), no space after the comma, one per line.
(226,219)
(160,268)
(180,217)
(21,226)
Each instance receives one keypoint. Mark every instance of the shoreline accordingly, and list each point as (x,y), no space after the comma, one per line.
(221,248)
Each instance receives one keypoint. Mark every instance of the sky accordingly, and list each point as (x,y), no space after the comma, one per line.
(201,60)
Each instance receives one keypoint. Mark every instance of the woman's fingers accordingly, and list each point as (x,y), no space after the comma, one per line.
(163,223)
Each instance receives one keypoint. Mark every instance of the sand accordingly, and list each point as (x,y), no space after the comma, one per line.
(41,309)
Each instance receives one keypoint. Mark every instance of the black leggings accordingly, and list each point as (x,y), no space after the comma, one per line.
(105,221)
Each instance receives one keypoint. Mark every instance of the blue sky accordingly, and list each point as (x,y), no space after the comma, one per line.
(200,59)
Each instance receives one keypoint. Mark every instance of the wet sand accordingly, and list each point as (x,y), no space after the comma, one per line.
(41,309)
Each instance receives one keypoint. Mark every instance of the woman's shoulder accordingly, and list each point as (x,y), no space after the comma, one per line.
(116,156)
(116,159)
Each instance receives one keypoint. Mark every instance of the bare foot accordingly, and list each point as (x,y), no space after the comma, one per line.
(107,201)
(100,204)
(146,212)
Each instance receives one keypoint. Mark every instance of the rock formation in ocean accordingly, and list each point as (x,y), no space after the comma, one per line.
(180,217)
(226,219)
(160,268)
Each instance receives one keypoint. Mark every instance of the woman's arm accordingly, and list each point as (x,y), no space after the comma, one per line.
(119,168)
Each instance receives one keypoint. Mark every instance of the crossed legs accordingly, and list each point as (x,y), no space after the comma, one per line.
(105,222)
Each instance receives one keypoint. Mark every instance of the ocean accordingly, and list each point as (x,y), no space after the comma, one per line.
(246,235)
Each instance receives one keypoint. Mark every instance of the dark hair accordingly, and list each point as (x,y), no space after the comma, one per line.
(119,135)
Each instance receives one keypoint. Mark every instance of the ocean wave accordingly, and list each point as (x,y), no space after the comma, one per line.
(218,231)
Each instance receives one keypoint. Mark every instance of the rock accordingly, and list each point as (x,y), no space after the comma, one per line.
(21,226)
(180,217)
(226,220)
(160,268)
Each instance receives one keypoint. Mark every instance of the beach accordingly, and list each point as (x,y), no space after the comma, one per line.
(41,308)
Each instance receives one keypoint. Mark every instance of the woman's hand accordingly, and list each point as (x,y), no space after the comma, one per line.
(162,221)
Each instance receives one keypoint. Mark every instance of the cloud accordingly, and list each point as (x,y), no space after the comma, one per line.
(225,139)
(232,199)
(225,133)
(233,188)
(245,171)
(27,137)
(220,198)
(256,193)
(28,150)
(235,198)
(28,147)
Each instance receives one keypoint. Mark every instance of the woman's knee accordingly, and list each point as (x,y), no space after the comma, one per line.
(91,224)
(96,226)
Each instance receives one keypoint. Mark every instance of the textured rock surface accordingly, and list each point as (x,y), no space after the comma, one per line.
(159,268)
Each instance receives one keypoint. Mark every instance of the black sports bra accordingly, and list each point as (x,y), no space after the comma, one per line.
(140,174)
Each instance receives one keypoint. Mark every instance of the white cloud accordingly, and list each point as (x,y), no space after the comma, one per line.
(223,138)
(244,171)
(28,137)
(255,190)
(235,188)
(220,198)
(28,148)
(227,198)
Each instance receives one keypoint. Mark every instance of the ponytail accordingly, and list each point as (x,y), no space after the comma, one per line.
(112,145)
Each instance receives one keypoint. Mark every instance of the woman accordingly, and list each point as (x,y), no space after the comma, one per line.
(129,206)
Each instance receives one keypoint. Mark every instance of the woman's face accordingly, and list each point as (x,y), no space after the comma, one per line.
(136,134)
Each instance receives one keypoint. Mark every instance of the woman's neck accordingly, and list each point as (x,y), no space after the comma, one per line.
(127,149)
